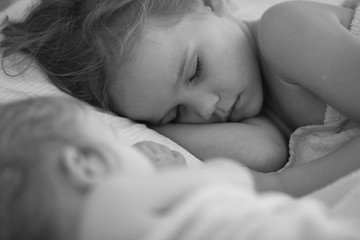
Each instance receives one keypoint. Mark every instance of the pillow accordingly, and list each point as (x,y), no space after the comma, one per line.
(34,83)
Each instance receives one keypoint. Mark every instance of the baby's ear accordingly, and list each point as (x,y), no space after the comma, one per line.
(219,7)
(85,166)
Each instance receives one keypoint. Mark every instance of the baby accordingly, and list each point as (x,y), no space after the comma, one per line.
(64,175)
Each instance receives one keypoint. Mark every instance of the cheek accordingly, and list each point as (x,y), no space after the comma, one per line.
(115,210)
(228,58)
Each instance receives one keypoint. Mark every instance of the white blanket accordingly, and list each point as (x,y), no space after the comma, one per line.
(230,212)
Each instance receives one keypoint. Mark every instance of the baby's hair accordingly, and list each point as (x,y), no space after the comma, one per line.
(37,119)
(32,132)
(82,44)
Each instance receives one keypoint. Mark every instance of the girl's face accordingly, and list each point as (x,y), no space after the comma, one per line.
(202,70)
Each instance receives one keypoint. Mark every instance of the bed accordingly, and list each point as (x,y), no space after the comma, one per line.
(342,197)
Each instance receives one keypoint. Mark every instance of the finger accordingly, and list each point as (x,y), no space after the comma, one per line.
(179,157)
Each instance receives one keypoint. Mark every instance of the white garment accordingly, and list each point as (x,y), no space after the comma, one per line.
(229,212)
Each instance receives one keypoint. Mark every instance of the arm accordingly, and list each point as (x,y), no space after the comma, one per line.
(324,60)
(303,179)
(309,44)
(257,143)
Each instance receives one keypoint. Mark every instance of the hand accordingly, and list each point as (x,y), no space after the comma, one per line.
(160,155)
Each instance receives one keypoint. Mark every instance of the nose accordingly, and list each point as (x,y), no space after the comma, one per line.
(204,104)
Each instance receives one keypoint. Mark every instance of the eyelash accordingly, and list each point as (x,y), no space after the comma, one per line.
(198,71)
(197,74)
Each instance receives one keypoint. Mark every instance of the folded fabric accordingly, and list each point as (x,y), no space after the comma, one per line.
(312,142)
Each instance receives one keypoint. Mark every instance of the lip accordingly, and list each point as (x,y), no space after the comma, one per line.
(233,114)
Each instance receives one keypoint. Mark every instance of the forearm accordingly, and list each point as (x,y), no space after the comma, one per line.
(255,143)
(308,177)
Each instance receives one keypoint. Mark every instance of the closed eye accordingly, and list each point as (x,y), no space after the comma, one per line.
(198,70)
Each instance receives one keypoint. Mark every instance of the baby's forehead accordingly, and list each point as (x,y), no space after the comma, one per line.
(116,209)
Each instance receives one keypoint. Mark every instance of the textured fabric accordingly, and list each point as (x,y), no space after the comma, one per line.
(355,23)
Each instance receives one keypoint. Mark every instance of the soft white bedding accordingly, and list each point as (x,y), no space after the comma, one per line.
(226,212)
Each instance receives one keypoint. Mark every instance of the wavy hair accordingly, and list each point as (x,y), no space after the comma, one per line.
(82,44)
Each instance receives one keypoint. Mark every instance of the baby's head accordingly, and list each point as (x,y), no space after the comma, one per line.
(53,151)
(194,55)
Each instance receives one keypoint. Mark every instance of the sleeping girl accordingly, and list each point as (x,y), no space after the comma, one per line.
(196,72)
(64,175)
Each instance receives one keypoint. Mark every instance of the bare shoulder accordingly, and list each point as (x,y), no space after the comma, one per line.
(309,44)
(304,12)
(300,30)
